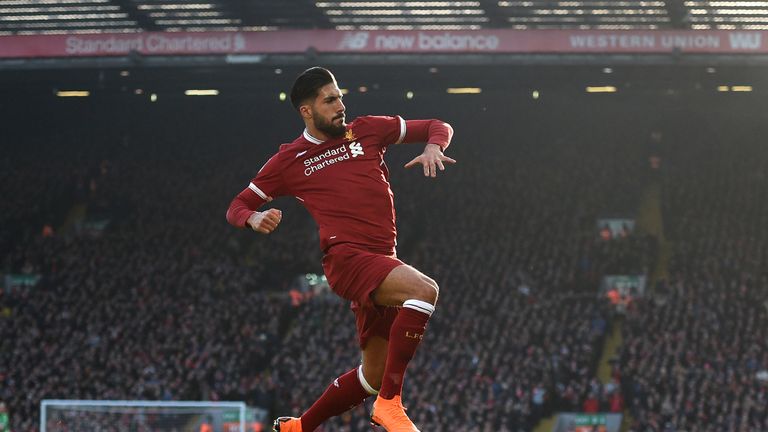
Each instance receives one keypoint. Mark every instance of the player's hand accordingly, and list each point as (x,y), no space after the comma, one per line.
(265,222)
(431,160)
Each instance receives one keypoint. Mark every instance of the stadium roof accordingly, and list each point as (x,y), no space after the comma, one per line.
(102,16)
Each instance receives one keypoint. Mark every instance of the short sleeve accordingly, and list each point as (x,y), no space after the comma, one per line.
(268,183)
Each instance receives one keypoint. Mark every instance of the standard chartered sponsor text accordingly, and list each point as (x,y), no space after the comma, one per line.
(77,45)
(152,43)
(329,157)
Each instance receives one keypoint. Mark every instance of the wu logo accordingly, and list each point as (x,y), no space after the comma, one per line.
(357,149)
(746,41)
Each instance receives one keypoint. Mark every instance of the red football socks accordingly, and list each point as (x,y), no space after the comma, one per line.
(345,393)
(404,337)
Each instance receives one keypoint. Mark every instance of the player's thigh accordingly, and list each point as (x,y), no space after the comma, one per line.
(374,360)
(405,283)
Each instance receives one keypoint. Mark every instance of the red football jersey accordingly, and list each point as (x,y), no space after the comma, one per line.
(343,182)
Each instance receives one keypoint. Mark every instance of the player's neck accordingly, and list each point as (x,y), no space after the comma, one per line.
(317,134)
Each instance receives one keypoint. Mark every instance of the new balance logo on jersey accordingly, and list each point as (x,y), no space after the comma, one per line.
(357,149)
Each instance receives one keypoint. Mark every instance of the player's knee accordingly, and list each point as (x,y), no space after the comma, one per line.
(428,290)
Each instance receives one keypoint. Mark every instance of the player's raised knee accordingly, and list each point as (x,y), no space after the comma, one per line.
(428,290)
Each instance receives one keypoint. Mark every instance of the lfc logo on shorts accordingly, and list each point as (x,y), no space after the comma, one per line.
(350,136)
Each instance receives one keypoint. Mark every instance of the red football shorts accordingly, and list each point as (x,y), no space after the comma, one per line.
(353,274)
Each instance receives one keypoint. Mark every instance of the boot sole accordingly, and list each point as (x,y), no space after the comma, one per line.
(375,424)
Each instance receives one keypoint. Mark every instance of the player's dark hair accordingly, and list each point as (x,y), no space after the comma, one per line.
(308,83)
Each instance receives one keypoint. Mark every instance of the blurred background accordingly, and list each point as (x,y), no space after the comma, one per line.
(600,244)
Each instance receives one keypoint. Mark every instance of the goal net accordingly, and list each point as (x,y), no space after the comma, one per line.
(141,416)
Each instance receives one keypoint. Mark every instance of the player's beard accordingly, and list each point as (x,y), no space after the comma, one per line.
(330,128)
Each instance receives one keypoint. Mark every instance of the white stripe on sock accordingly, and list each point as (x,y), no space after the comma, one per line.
(364,383)
(420,306)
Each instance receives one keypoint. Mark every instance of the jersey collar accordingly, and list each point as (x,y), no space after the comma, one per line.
(310,138)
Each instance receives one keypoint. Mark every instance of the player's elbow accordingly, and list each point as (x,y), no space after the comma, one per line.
(231,217)
(449,129)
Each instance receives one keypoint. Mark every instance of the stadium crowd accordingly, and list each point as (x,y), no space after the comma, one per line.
(168,302)
(142,311)
(695,356)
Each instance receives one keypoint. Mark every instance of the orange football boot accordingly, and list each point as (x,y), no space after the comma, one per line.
(287,424)
(390,414)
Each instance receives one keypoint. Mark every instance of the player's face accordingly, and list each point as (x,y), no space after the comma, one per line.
(328,111)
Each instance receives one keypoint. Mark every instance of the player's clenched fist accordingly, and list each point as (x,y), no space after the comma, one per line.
(265,222)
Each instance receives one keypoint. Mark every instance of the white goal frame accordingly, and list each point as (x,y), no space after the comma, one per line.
(45,403)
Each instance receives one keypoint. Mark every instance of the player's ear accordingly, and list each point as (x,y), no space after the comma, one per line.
(306,111)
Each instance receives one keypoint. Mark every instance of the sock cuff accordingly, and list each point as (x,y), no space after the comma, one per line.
(371,391)
(420,306)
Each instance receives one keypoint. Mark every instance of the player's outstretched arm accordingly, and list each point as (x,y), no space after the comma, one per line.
(431,160)
(438,135)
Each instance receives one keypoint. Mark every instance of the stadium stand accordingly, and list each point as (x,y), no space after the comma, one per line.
(168,302)
(695,356)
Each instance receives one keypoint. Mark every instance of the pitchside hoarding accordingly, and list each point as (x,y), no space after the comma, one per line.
(378,42)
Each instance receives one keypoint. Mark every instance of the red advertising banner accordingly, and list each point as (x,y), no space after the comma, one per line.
(372,42)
